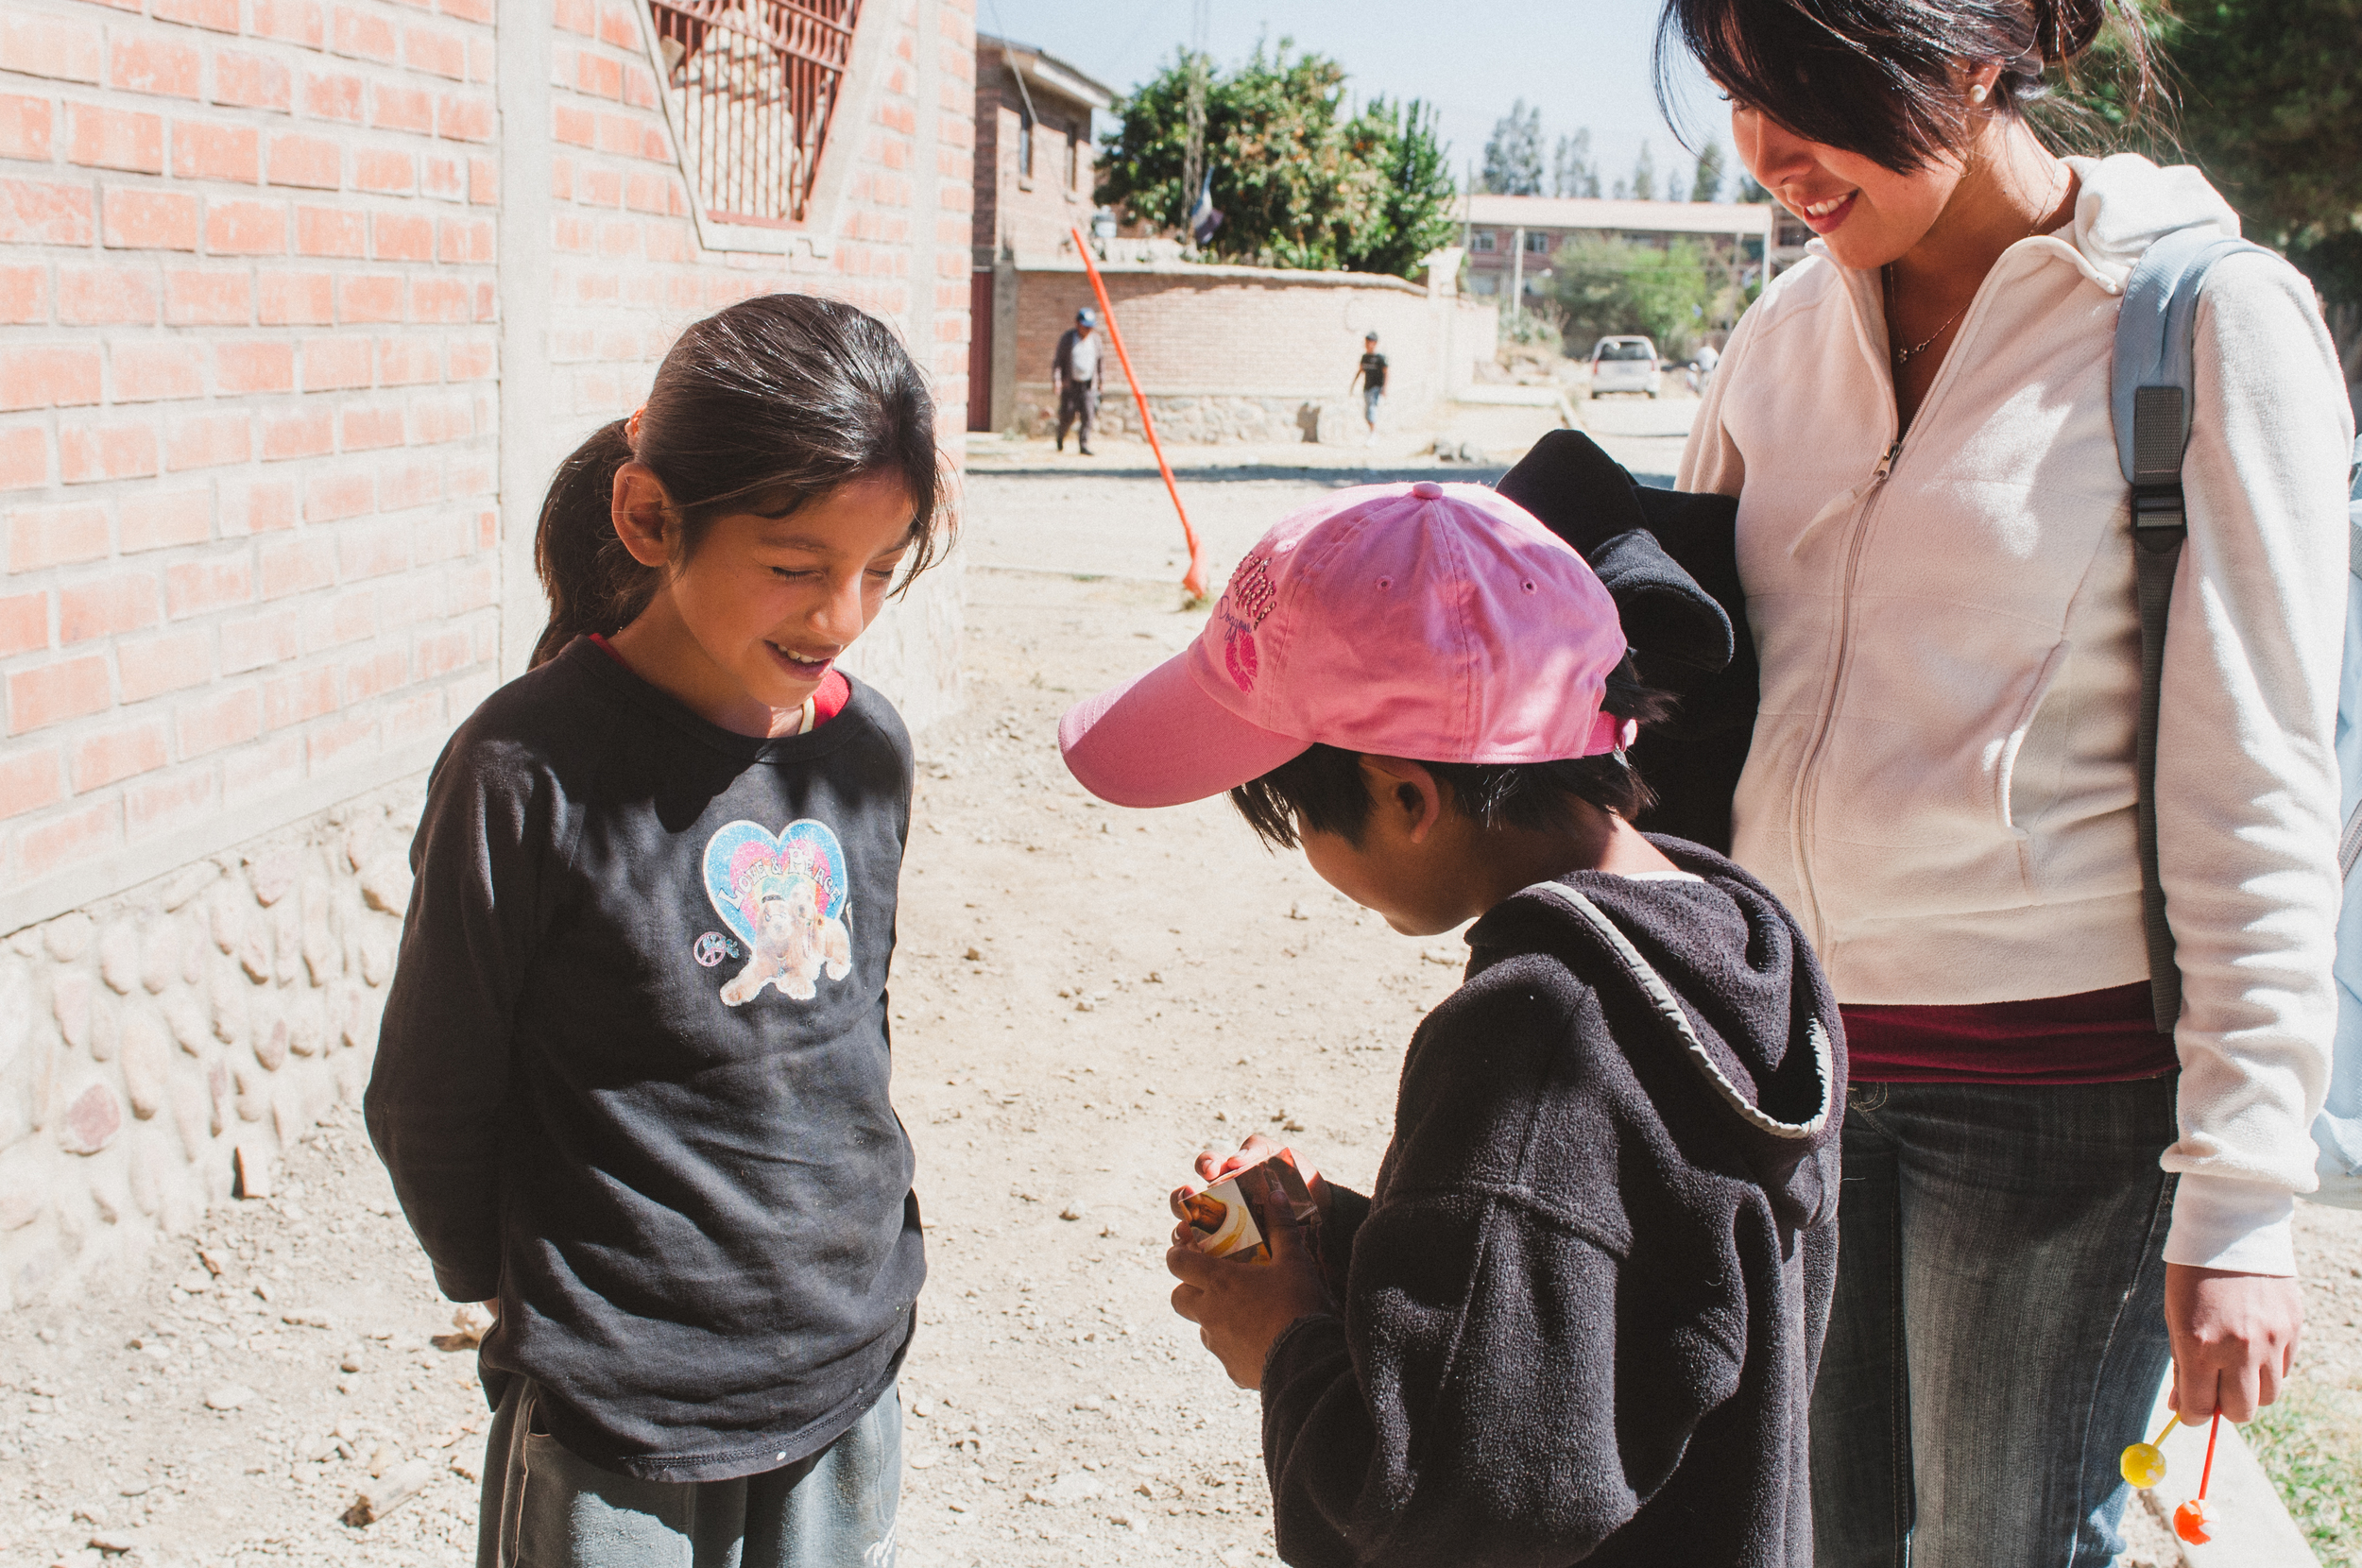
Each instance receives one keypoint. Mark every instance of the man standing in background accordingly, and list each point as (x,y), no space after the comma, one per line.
(1074,371)
(1371,377)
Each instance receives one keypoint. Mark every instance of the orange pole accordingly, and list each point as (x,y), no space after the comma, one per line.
(1195,580)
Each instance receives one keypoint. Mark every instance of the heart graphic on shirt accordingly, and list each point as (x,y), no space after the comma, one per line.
(785,896)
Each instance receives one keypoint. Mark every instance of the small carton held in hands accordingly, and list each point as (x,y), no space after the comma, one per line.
(1231,1218)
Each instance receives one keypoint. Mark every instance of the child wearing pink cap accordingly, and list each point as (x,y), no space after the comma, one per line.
(1577,1315)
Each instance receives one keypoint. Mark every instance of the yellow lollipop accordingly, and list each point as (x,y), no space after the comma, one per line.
(2144,1463)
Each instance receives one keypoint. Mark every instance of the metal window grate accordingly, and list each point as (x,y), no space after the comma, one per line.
(753,84)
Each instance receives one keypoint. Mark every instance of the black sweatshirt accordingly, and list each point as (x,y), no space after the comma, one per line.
(1583,1303)
(633,1073)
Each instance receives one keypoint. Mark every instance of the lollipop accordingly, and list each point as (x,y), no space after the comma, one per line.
(2144,1463)
(2194,1521)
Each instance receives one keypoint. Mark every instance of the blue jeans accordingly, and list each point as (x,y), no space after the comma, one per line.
(544,1507)
(1998,1333)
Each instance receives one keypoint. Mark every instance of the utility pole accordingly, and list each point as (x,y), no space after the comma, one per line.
(1517,276)
(1193,153)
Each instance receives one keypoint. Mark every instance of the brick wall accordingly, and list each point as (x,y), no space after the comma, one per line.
(1017,215)
(290,343)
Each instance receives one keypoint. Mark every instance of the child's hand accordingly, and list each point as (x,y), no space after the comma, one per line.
(1240,1307)
(1256,1150)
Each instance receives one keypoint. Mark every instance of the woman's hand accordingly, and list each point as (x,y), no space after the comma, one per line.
(2234,1339)
(1241,1307)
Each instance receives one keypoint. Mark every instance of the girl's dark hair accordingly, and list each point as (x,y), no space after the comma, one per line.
(1322,788)
(1878,77)
(764,407)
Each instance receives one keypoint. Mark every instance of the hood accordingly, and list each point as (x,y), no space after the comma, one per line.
(1725,968)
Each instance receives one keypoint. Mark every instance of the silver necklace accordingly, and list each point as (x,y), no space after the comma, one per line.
(1886,273)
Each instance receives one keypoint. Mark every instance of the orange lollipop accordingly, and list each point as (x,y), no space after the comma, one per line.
(2194,1521)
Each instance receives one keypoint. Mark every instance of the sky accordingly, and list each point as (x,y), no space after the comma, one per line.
(1586,62)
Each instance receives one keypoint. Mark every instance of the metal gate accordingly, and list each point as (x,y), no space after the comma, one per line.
(753,84)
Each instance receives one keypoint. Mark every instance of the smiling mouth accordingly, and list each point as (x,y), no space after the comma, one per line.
(1826,214)
(808,667)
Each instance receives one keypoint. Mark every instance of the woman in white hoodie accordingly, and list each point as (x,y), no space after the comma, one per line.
(2044,1196)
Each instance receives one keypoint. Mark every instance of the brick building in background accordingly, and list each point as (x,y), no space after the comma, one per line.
(301,302)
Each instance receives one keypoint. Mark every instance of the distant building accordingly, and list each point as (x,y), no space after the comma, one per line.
(1510,240)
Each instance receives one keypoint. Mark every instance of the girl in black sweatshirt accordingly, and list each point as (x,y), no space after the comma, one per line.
(632,1082)
(1578,1316)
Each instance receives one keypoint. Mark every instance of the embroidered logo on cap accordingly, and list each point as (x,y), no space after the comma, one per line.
(1246,601)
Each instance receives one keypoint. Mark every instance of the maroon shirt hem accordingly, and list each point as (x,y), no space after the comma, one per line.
(2094,1037)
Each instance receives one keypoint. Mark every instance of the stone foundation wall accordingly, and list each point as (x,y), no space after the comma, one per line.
(1185,421)
(152,1044)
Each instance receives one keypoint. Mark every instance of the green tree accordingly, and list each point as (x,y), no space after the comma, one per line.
(1644,174)
(1299,183)
(1751,191)
(2270,98)
(1572,171)
(1607,286)
(1707,184)
(1512,155)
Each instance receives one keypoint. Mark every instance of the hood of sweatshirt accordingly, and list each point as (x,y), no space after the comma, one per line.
(1730,978)
(2126,203)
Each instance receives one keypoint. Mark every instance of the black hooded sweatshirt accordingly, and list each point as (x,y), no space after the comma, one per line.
(1585,1302)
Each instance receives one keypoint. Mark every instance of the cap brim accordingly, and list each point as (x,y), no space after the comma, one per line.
(1160,741)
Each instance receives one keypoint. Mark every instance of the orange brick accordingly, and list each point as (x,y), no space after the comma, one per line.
(385,171)
(86,453)
(24,295)
(173,662)
(142,219)
(312,162)
(327,498)
(106,296)
(617,26)
(601,75)
(369,297)
(178,800)
(372,553)
(461,118)
(334,362)
(574,127)
(251,81)
(35,213)
(24,623)
(435,50)
(31,780)
(212,723)
(327,232)
(364,35)
(207,299)
(52,694)
(408,362)
(374,674)
(208,441)
(470,361)
(441,177)
(297,299)
(107,608)
(148,370)
(261,640)
(333,95)
(467,10)
(112,755)
(257,507)
(200,586)
(470,239)
(219,16)
(55,535)
(24,127)
(401,108)
(146,64)
(60,48)
(439,300)
(254,366)
(158,519)
(296,21)
(298,566)
(293,699)
(202,150)
(115,139)
(245,228)
(326,745)
(402,237)
(24,458)
(309,432)
(369,429)
(48,376)
(484,181)
(62,842)
(259,772)
(441,419)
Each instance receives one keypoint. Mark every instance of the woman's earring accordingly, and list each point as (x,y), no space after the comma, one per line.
(1977,94)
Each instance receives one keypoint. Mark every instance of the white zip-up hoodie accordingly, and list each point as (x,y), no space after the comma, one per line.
(1941,783)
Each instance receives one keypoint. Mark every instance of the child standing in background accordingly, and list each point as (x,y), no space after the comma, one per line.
(632,1085)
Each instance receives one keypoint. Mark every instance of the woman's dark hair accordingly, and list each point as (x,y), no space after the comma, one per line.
(1322,788)
(764,407)
(1879,78)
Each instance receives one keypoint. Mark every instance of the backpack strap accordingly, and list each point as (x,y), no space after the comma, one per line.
(2149,397)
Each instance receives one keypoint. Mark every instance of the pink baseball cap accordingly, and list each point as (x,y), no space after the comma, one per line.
(1434,622)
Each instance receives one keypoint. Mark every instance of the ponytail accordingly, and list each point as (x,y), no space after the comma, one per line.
(773,403)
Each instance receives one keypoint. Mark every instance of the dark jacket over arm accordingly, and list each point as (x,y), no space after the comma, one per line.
(1582,1310)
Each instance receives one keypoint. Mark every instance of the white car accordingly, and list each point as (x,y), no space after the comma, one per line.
(1625,364)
